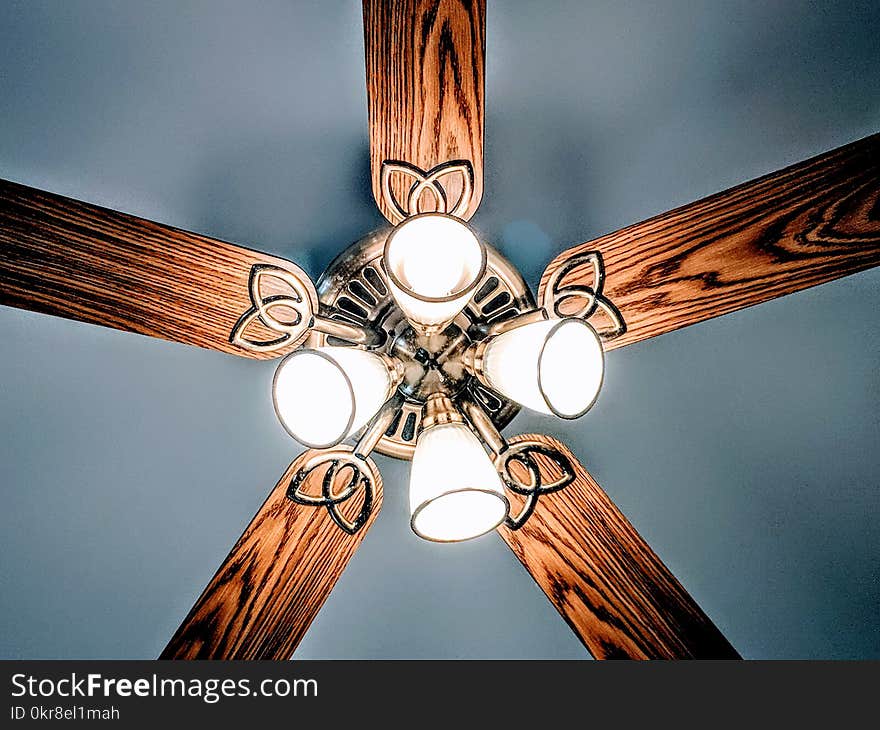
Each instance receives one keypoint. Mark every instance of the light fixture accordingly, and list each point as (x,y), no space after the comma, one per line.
(323,395)
(554,366)
(422,342)
(434,262)
(455,492)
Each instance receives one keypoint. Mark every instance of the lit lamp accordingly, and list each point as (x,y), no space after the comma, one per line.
(434,263)
(325,394)
(552,366)
(455,493)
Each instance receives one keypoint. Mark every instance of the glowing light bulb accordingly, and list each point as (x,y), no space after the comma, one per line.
(325,394)
(455,492)
(434,263)
(552,366)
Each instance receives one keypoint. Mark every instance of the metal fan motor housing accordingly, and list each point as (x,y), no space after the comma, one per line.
(355,288)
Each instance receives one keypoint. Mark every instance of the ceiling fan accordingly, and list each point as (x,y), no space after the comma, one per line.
(796,228)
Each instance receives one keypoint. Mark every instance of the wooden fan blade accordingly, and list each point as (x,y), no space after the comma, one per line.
(604,579)
(802,226)
(71,259)
(272,584)
(425,89)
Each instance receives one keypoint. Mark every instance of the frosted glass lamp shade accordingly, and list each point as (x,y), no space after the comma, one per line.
(455,492)
(434,262)
(554,366)
(325,394)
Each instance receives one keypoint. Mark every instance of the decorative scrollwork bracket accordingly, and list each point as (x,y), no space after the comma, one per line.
(413,202)
(583,300)
(274,288)
(345,474)
(528,454)
(536,461)
(347,471)
(299,298)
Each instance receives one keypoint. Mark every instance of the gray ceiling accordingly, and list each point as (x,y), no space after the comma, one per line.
(744,449)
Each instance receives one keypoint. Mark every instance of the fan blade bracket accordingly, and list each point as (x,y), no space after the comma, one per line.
(272,288)
(344,471)
(289,289)
(531,468)
(341,474)
(516,464)
(576,289)
(426,193)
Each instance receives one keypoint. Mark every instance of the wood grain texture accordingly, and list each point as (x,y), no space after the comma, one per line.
(425,87)
(604,579)
(271,585)
(71,259)
(802,226)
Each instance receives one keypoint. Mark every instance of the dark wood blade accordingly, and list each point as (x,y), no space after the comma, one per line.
(802,226)
(71,259)
(425,89)
(273,583)
(604,579)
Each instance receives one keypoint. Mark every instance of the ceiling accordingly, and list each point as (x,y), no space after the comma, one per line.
(745,449)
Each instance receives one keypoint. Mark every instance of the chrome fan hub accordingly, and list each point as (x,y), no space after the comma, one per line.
(355,286)
(432,362)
